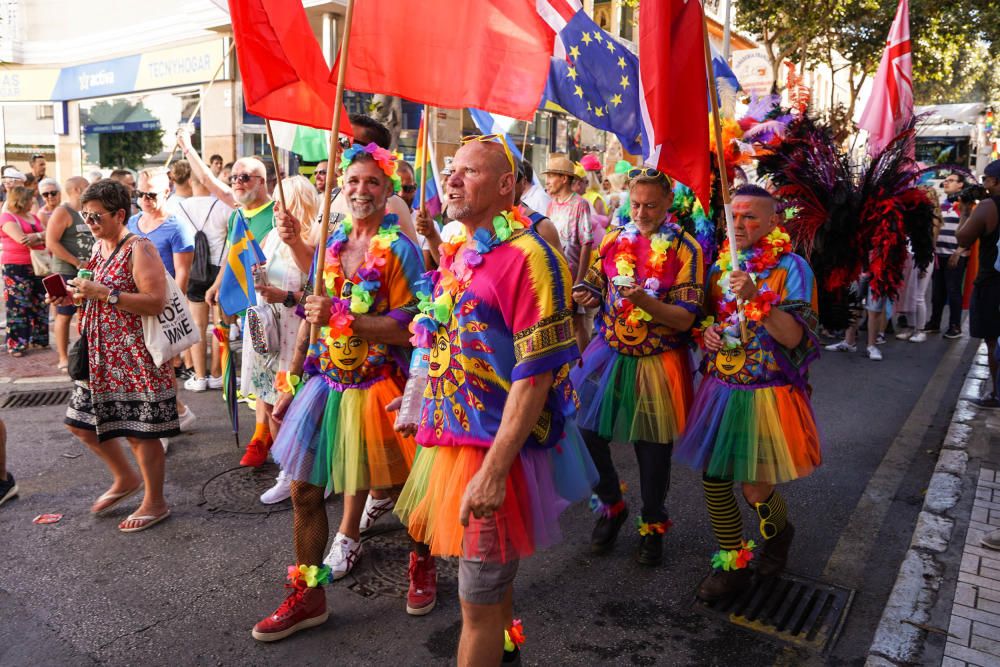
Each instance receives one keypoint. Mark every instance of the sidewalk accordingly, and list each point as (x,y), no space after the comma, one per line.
(945,605)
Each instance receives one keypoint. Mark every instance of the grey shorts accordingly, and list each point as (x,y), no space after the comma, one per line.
(484,578)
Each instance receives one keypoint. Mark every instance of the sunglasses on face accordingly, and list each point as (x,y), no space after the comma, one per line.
(242,179)
(320,172)
(494,138)
(409,189)
(151,196)
(50,194)
(92,217)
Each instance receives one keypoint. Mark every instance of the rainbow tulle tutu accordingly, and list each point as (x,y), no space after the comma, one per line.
(344,439)
(624,398)
(540,485)
(763,434)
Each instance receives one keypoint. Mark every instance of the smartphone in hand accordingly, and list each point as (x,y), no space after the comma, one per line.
(55,286)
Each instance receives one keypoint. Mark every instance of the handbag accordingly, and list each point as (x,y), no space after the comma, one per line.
(263,329)
(172,331)
(41,263)
(79,362)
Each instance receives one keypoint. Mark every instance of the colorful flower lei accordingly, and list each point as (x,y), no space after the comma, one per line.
(363,293)
(661,266)
(657,527)
(288,383)
(436,311)
(513,637)
(604,510)
(309,576)
(733,559)
(758,261)
(384,158)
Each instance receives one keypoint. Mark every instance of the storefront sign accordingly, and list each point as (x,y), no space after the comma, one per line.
(753,69)
(164,68)
(115,128)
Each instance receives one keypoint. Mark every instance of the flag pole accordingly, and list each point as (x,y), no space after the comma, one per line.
(720,154)
(201,98)
(524,139)
(338,103)
(422,141)
(274,159)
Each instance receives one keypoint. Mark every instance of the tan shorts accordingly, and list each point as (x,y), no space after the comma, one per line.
(485,578)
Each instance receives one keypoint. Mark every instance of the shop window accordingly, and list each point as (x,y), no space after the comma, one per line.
(43,112)
(135,131)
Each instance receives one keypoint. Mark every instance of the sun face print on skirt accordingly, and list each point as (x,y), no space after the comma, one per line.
(740,364)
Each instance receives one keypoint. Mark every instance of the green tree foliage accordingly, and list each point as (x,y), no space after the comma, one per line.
(124,149)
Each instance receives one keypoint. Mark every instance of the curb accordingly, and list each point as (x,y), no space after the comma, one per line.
(916,589)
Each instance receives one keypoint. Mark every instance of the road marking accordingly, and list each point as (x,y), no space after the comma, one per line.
(849,560)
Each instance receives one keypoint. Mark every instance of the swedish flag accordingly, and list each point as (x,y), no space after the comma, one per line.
(236,292)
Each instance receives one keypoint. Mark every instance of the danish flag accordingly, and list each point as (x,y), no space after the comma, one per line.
(891,103)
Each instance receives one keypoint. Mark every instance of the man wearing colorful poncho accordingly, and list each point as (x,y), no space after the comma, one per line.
(752,421)
(635,382)
(500,456)
(337,431)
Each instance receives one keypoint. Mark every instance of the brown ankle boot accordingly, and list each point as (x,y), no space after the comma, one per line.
(774,555)
(722,584)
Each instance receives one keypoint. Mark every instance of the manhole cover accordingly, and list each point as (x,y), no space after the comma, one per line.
(382,569)
(238,491)
(798,610)
(36,399)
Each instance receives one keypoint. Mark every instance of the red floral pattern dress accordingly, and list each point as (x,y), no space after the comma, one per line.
(128,395)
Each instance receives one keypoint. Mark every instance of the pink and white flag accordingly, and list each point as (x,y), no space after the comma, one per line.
(891,103)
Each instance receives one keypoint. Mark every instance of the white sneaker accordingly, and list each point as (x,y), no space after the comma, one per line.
(214,382)
(282,490)
(196,384)
(874,353)
(375,510)
(842,346)
(166,444)
(918,337)
(187,419)
(344,554)
(906,334)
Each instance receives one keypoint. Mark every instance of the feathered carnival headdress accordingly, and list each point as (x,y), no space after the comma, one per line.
(846,225)
(383,157)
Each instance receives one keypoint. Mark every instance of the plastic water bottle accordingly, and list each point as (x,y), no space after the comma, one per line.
(413,393)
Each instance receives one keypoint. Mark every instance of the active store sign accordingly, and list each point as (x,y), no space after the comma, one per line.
(164,68)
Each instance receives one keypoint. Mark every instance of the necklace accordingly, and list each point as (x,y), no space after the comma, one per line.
(758,261)
(363,292)
(448,283)
(661,266)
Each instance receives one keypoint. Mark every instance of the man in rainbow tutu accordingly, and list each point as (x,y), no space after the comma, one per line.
(500,456)
(752,421)
(337,432)
(636,380)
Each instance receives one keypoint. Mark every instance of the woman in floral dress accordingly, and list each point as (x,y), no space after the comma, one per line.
(127,395)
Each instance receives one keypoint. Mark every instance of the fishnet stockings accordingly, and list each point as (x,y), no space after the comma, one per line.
(311,527)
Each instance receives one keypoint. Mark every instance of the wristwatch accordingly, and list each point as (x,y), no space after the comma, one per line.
(289,300)
(113,297)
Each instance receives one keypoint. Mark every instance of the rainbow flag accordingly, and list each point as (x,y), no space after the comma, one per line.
(432,192)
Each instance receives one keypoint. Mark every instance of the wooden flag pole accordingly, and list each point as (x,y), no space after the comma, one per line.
(201,99)
(720,154)
(274,159)
(524,139)
(338,103)
(422,141)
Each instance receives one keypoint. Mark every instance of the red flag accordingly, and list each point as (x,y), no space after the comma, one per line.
(674,92)
(489,55)
(890,106)
(284,74)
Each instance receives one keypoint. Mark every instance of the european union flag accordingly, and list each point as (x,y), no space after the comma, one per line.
(236,292)
(598,82)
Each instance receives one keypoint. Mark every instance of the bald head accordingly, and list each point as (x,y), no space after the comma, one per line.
(481,183)
(250,165)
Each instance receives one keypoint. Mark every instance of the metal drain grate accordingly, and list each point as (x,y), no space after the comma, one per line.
(237,491)
(798,610)
(36,399)
(383,570)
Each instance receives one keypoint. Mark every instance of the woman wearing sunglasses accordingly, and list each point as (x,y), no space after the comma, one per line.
(173,241)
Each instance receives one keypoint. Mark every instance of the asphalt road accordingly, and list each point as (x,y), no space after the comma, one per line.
(187,593)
